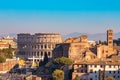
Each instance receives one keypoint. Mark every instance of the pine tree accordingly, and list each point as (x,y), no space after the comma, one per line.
(45,59)
(100,75)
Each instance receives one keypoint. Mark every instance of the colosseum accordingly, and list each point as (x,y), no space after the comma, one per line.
(37,45)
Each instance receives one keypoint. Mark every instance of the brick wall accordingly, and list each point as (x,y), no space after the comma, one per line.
(8,65)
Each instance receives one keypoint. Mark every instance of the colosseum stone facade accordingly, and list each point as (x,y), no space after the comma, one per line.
(37,45)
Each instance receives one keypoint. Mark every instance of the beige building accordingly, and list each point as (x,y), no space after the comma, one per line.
(38,45)
(91,70)
(10,41)
(3,45)
(75,49)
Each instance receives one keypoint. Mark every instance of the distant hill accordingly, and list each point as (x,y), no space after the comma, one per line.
(14,35)
(96,37)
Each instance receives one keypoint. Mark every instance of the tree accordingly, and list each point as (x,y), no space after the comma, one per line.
(110,78)
(45,59)
(100,75)
(2,59)
(21,62)
(70,73)
(8,52)
(58,75)
(77,77)
(63,60)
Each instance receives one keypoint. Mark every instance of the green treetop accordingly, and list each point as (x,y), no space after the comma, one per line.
(63,60)
(58,75)
(110,78)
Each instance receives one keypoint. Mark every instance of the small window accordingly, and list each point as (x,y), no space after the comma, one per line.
(91,79)
(109,71)
(109,66)
(48,53)
(114,76)
(95,71)
(95,66)
(114,71)
(37,53)
(81,71)
(91,70)
(41,46)
(90,65)
(45,46)
(41,53)
(118,72)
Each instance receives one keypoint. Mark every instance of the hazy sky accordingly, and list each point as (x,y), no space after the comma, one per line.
(62,16)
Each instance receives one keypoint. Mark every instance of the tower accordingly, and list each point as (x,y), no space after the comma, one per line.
(110,41)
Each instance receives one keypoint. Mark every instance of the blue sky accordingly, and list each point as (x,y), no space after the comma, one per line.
(62,16)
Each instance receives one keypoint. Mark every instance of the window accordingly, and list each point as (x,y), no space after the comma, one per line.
(91,70)
(95,66)
(95,71)
(41,53)
(81,66)
(90,65)
(114,71)
(48,53)
(110,34)
(45,46)
(82,70)
(41,46)
(109,66)
(109,71)
(118,72)
(37,53)
(114,76)
(110,42)
(91,79)
(110,37)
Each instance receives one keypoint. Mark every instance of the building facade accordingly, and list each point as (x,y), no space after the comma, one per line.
(95,70)
(38,45)
(8,42)
(75,49)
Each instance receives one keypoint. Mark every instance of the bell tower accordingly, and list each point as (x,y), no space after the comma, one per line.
(110,41)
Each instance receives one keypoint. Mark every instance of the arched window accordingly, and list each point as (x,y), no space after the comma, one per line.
(48,53)
(41,53)
(45,46)
(41,46)
(37,53)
